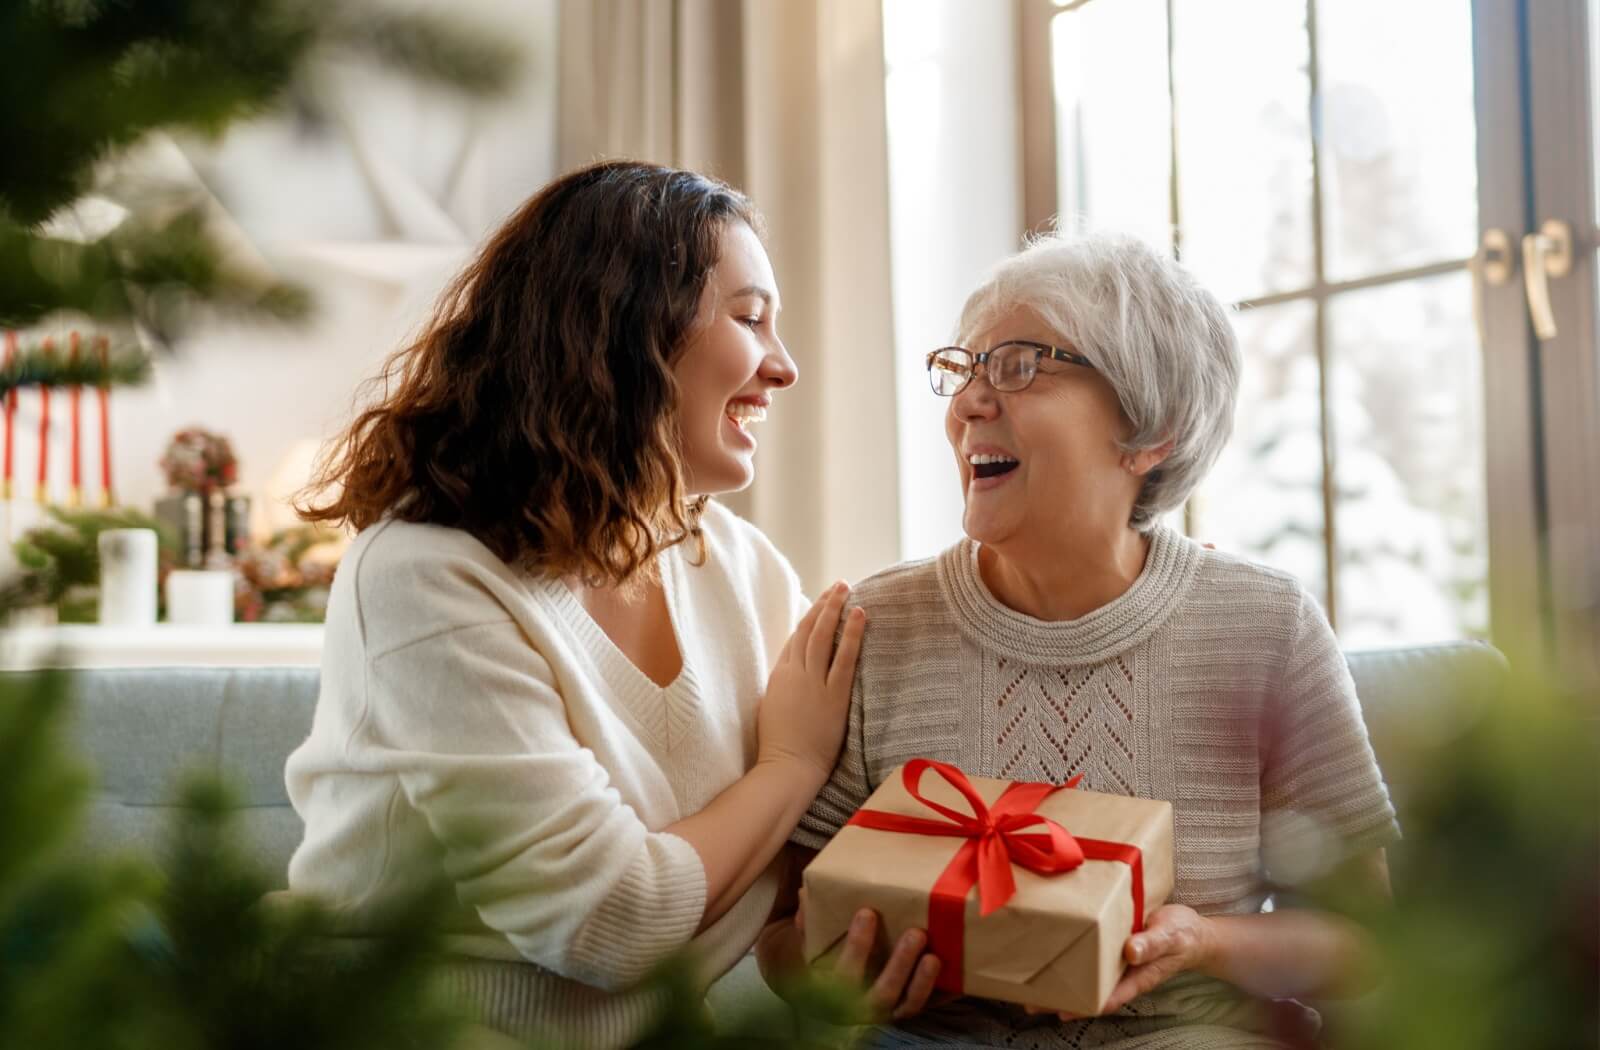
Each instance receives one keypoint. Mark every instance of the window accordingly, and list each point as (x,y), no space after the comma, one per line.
(1314,163)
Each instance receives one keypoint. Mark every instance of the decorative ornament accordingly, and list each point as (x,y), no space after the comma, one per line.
(199,460)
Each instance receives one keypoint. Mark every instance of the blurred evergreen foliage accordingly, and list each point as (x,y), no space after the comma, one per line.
(83,80)
(60,561)
(104,951)
(1494,938)
(1492,942)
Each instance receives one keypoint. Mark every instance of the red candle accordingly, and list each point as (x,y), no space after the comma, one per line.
(105,427)
(11,413)
(43,492)
(74,399)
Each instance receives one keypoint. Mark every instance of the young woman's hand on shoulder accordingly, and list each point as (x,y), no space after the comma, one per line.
(799,730)
(802,718)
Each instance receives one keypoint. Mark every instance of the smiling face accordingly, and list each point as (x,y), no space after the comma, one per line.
(732,365)
(1040,465)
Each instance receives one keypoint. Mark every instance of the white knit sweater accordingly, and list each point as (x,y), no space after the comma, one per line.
(475,725)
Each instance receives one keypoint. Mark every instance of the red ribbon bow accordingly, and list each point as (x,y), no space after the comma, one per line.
(995,841)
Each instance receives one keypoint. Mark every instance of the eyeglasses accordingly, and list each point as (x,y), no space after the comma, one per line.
(1009,367)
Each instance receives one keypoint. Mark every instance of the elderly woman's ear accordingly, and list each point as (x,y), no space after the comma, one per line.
(1145,460)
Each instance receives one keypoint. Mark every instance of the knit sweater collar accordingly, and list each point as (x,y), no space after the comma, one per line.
(628,682)
(1114,628)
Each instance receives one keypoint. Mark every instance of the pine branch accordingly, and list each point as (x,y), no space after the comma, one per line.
(158,273)
(237,971)
(41,792)
(34,365)
(83,80)
(115,952)
(65,554)
(97,76)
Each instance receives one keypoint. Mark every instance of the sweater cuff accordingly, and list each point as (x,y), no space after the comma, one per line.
(651,913)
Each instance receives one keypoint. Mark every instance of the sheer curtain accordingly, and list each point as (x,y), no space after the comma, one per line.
(785,101)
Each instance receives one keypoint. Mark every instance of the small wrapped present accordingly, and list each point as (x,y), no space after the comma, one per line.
(1062,878)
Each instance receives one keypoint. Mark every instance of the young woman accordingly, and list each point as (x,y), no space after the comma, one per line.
(557,677)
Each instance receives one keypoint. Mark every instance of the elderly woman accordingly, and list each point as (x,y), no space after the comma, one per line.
(1073,631)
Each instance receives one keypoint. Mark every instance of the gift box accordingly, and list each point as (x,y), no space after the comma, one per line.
(1028,891)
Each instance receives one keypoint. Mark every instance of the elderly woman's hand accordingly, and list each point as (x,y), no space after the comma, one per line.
(1177,938)
(902,988)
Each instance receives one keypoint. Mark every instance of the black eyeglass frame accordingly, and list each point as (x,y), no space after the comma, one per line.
(1040,350)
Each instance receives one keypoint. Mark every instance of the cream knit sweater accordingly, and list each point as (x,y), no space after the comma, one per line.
(475,726)
(1213,683)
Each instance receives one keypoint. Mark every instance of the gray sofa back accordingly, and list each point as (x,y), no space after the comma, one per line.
(142,729)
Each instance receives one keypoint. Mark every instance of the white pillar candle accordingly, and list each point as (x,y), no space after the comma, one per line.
(128,577)
(203,596)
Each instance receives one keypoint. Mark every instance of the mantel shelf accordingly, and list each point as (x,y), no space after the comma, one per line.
(163,645)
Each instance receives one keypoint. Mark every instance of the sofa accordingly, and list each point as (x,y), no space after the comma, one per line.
(142,728)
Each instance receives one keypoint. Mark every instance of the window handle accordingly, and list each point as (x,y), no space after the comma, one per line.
(1493,265)
(1545,254)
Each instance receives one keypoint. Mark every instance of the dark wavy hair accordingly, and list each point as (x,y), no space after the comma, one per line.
(537,408)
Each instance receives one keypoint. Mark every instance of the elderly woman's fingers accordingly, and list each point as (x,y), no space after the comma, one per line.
(1149,946)
(858,942)
(1065,1015)
(819,647)
(890,987)
(923,980)
(1141,979)
(1174,930)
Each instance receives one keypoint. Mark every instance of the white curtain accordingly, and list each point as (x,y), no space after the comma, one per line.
(784,100)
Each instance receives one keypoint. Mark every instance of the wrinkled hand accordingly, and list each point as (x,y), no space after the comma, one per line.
(901,989)
(1176,938)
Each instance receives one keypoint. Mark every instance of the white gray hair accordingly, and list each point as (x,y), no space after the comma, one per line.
(1165,344)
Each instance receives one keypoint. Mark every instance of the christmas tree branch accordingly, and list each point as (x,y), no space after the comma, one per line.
(36,365)
(159,273)
(99,76)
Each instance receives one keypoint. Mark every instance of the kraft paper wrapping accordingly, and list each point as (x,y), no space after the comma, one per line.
(1057,944)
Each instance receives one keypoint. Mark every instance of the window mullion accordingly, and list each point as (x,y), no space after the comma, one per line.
(1324,371)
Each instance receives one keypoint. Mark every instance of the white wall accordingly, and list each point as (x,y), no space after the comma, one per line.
(373,239)
(955,209)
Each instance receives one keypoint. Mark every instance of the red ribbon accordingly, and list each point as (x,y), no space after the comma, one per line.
(995,841)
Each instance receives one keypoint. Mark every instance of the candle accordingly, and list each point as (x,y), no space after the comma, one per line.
(43,493)
(200,596)
(105,426)
(127,577)
(74,399)
(11,413)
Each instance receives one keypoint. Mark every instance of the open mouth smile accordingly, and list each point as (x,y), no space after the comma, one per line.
(744,413)
(987,465)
